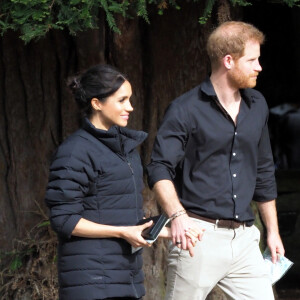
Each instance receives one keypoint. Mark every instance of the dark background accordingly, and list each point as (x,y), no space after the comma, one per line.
(163,60)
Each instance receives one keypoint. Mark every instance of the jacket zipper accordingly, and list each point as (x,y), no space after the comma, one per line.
(124,157)
(135,189)
(133,286)
(136,209)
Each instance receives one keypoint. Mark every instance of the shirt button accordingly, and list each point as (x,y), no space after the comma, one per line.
(234,196)
(235,133)
(236,216)
(234,175)
(234,154)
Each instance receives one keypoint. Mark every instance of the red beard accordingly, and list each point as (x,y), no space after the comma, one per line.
(240,80)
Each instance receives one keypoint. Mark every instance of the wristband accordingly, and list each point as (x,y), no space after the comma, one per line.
(177,214)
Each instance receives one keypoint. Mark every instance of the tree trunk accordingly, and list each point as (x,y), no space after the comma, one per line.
(37,113)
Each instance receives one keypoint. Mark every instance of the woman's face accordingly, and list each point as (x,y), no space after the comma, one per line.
(117,107)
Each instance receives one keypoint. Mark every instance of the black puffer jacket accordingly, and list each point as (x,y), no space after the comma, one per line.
(97,175)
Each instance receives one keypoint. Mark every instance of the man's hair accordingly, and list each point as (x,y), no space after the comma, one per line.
(230,38)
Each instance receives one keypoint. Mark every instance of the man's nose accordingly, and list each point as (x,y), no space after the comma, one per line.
(258,67)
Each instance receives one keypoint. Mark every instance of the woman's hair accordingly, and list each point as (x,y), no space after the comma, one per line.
(230,38)
(100,81)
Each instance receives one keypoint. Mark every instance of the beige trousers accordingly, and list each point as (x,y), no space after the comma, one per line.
(229,258)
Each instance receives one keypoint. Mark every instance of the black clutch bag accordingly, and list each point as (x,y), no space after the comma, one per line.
(151,233)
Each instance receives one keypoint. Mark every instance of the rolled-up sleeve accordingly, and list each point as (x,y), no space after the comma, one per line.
(265,189)
(169,146)
(68,184)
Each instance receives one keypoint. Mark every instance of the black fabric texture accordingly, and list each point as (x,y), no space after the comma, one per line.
(217,167)
(97,175)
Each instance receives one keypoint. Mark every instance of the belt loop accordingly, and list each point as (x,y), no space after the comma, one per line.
(216,224)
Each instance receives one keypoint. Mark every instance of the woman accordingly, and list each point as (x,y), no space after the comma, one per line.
(94,194)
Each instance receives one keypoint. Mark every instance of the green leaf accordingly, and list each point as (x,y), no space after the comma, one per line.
(16,263)
(43,224)
(207,11)
(34,18)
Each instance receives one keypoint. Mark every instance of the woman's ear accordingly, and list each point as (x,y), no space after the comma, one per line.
(96,104)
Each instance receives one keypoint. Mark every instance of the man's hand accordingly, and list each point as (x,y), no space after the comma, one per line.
(185,233)
(268,213)
(275,245)
(169,201)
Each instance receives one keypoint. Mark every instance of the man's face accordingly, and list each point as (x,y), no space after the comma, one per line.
(246,68)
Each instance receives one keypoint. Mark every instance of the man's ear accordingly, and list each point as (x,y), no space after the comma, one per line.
(96,104)
(228,61)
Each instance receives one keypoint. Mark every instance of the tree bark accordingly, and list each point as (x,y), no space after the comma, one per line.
(37,114)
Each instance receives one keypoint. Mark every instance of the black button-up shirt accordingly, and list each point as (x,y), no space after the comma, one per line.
(217,167)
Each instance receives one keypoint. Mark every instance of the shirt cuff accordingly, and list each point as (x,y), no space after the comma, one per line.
(157,173)
(265,197)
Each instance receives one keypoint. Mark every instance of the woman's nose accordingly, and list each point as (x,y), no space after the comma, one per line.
(129,106)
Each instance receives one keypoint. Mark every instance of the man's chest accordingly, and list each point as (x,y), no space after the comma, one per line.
(217,130)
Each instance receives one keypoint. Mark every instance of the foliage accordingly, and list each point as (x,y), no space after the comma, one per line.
(34,18)
(209,7)
(29,270)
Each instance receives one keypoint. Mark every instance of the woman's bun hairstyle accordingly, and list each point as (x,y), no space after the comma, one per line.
(100,81)
(77,91)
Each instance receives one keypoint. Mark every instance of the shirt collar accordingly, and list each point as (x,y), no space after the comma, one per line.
(208,89)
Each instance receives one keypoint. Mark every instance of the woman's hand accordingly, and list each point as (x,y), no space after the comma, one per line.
(194,234)
(133,235)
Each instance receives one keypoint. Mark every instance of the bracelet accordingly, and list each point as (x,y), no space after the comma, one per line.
(177,214)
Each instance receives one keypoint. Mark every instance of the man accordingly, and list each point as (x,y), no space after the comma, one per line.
(211,158)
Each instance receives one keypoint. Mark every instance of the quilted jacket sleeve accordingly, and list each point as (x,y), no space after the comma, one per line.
(68,184)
